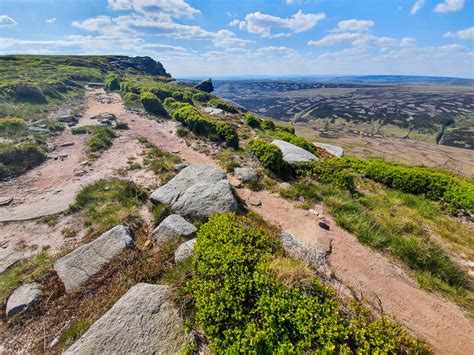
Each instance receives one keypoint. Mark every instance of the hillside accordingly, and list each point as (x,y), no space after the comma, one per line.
(140,214)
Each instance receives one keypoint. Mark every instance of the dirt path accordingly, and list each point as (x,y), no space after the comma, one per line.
(428,315)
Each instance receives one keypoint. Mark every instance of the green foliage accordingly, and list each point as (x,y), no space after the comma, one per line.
(73,332)
(101,137)
(328,171)
(243,308)
(121,125)
(112,82)
(268,125)
(298,141)
(157,160)
(270,156)
(227,160)
(131,97)
(12,127)
(216,102)
(191,118)
(171,105)
(282,128)
(17,159)
(152,104)
(201,97)
(183,96)
(252,120)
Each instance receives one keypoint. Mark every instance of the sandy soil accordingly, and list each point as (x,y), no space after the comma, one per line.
(52,186)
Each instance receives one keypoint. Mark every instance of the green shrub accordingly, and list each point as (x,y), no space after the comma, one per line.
(152,104)
(243,307)
(26,92)
(270,156)
(112,82)
(216,102)
(289,129)
(268,125)
(201,97)
(328,171)
(101,137)
(12,127)
(171,105)
(298,141)
(16,160)
(252,120)
(131,97)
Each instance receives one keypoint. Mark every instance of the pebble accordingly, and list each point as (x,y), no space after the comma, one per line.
(324,224)
(5,201)
(67,144)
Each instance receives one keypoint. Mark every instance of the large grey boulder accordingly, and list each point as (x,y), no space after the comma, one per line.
(184,251)
(205,85)
(75,268)
(246,174)
(22,298)
(8,258)
(172,227)
(143,321)
(197,191)
(331,149)
(293,154)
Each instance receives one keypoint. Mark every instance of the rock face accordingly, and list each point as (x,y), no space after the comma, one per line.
(184,251)
(332,149)
(197,191)
(144,64)
(75,268)
(205,85)
(293,154)
(246,174)
(143,321)
(8,258)
(172,227)
(22,298)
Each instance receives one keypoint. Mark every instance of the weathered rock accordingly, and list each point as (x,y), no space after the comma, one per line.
(172,227)
(254,201)
(184,251)
(206,198)
(284,186)
(22,298)
(180,166)
(104,116)
(213,110)
(293,154)
(75,268)
(246,174)
(67,144)
(324,224)
(144,64)
(8,258)
(205,85)
(5,201)
(143,321)
(332,149)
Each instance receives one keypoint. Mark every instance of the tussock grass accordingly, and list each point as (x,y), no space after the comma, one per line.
(18,159)
(100,137)
(159,161)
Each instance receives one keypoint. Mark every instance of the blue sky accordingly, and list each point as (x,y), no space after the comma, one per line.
(253,37)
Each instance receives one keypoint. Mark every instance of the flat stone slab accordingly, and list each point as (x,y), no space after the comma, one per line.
(246,174)
(8,258)
(184,251)
(293,154)
(5,201)
(172,227)
(22,298)
(75,268)
(143,321)
(331,149)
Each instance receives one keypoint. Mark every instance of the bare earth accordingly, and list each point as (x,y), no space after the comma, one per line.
(50,188)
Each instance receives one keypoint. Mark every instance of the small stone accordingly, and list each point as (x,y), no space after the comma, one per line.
(246,174)
(313,212)
(8,258)
(172,227)
(184,251)
(147,243)
(284,186)
(324,224)
(253,201)
(5,201)
(67,144)
(22,298)
(176,151)
(54,342)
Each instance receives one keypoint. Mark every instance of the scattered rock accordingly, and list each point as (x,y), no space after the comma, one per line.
(293,154)
(67,144)
(38,130)
(246,174)
(180,166)
(104,116)
(184,251)
(332,149)
(324,224)
(143,321)
(172,227)
(75,268)
(22,298)
(205,85)
(313,212)
(8,258)
(213,110)
(175,151)
(284,186)
(5,201)
(253,201)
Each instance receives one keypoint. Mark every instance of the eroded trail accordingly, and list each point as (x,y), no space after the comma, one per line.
(428,315)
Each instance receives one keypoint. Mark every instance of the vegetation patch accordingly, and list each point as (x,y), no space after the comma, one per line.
(159,161)
(270,156)
(100,137)
(216,102)
(12,127)
(152,104)
(18,159)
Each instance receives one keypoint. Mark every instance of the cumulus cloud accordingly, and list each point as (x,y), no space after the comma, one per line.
(156,8)
(262,24)
(466,34)
(354,25)
(51,20)
(449,6)
(417,6)
(6,21)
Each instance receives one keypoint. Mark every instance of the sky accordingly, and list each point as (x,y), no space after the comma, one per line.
(253,37)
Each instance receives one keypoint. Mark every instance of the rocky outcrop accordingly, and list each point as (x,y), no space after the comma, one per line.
(145,65)
(184,251)
(75,268)
(293,154)
(331,149)
(197,191)
(172,227)
(8,258)
(205,85)
(246,174)
(143,321)
(23,298)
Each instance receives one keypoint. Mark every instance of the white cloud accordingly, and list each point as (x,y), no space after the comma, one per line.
(449,6)
(274,50)
(156,8)
(407,42)
(51,20)
(289,2)
(466,34)
(6,21)
(417,6)
(335,38)
(98,23)
(262,24)
(354,25)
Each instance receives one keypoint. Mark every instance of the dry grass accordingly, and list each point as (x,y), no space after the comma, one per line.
(292,273)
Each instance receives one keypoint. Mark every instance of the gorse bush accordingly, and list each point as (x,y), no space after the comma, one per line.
(243,308)
(152,104)
(191,118)
(252,120)
(216,102)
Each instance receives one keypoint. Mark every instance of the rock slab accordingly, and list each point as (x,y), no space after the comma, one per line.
(184,251)
(331,149)
(75,268)
(293,154)
(172,227)
(22,298)
(246,174)
(8,258)
(205,85)
(143,321)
